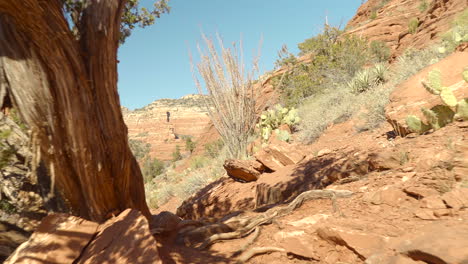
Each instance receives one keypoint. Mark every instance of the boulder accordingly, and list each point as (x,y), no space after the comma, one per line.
(386,160)
(363,244)
(410,96)
(279,154)
(438,243)
(122,239)
(245,170)
(60,238)
(456,198)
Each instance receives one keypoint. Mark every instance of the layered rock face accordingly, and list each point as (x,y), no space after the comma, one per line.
(388,21)
(152,124)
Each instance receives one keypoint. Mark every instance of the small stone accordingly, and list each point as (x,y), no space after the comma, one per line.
(408,169)
(425,214)
(433,202)
(323,152)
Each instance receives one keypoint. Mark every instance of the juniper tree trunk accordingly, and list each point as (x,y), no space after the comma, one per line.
(65,89)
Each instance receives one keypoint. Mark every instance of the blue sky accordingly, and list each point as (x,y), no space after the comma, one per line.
(155,64)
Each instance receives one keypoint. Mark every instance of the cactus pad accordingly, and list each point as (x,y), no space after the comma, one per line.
(416,125)
(462,110)
(448,97)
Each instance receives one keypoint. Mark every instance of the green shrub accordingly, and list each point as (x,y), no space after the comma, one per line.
(336,58)
(373,15)
(368,78)
(176,155)
(380,51)
(457,35)
(423,5)
(413,25)
(198,162)
(189,144)
(139,148)
(6,150)
(212,149)
(152,168)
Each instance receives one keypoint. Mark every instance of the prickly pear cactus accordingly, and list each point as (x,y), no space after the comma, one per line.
(434,84)
(416,125)
(440,115)
(462,110)
(448,97)
(273,118)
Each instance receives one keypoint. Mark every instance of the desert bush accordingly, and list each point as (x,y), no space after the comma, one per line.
(176,155)
(6,150)
(380,51)
(139,148)
(457,34)
(152,167)
(423,5)
(213,149)
(368,78)
(413,25)
(189,144)
(337,58)
(198,162)
(231,95)
(285,58)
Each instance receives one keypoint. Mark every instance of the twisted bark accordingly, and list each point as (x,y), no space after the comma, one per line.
(66,92)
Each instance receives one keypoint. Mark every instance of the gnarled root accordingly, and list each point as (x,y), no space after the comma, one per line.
(245,225)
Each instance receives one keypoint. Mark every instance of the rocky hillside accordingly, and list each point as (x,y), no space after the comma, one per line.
(187,117)
(389,21)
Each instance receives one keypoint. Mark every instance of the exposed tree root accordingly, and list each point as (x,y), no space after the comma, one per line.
(256,251)
(249,243)
(243,225)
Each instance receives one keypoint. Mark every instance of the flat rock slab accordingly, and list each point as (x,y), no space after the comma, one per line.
(122,239)
(60,238)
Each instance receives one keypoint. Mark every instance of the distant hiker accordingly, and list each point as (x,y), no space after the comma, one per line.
(168,115)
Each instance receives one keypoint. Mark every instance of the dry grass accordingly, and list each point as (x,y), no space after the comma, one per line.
(231,97)
(340,104)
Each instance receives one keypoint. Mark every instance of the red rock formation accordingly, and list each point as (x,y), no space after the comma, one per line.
(188,117)
(390,24)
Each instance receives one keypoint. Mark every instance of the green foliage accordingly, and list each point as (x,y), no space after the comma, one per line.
(423,5)
(413,25)
(189,144)
(132,15)
(285,58)
(198,162)
(457,35)
(139,148)
(416,125)
(439,115)
(152,168)
(272,119)
(283,135)
(7,207)
(380,51)
(336,58)
(465,74)
(213,149)
(373,15)
(6,150)
(176,155)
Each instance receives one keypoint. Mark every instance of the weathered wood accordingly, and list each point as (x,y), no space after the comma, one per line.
(66,91)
